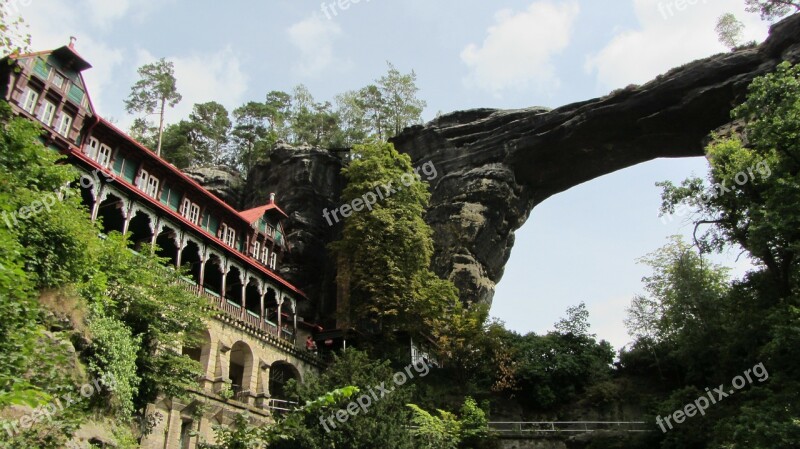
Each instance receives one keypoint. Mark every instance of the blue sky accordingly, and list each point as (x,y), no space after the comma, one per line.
(581,245)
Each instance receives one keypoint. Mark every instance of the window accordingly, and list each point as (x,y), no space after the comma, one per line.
(65,125)
(256,249)
(148,184)
(58,81)
(270,231)
(48,111)
(30,101)
(228,235)
(104,156)
(273,260)
(190,211)
(91,148)
(264,255)
(152,187)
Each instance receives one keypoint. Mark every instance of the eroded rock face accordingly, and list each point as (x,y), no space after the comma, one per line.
(305,181)
(495,166)
(224,182)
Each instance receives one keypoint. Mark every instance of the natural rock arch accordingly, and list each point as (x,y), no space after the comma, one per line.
(495,166)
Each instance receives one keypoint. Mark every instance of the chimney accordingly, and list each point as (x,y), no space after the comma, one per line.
(272,198)
(72,40)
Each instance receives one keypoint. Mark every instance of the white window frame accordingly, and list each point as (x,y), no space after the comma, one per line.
(31,99)
(152,187)
(103,156)
(190,211)
(185,208)
(65,125)
(148,184)
(228,235)
(264,255)
(273,260)
(91,148)
(59,84)
(48,113)
(256,249)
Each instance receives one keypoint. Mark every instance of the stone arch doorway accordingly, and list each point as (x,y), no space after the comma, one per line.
(279,374)
(240,369)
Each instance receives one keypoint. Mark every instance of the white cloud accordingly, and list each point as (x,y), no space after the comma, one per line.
(103,13)
(518,48)
(313,37)
(667,38)
(200,78)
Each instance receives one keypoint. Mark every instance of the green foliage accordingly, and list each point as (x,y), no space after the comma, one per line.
(384,253)
(702,329)
(114,354)
(729,30)
(13,40)
(772,9)
(474,424)
(155,90)
(138,308)
(384,425)
(434,432)
(138,291)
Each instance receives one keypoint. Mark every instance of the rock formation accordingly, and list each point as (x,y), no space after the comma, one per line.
(222,181)
(305,181)
(494,166)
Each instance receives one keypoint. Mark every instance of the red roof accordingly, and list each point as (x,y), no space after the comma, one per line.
(252,215)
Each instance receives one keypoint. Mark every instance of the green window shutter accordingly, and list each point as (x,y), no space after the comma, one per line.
(240,244)
(175,200)
(118,162)
(165,195)
(41,69)
(213,225)
(129,171)
(75,94)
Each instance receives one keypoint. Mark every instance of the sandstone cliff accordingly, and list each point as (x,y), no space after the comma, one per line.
(495,166)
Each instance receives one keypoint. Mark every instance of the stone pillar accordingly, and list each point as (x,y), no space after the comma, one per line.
(174,430)
(222,371)
(262,392)
(157,438)
(250,379)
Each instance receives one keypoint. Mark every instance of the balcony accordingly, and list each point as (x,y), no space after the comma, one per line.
(282,338)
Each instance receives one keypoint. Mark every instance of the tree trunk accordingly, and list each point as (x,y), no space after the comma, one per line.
(161,126)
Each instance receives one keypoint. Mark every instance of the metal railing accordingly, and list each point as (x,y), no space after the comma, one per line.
(515,428)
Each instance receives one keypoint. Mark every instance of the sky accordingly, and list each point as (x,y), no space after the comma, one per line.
(580,245)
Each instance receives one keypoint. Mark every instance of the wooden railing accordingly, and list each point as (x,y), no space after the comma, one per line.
(283,338)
